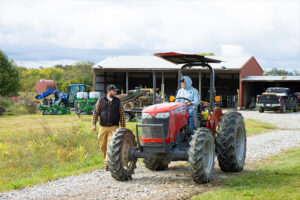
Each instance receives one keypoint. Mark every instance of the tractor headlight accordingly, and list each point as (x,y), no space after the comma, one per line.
(162,115)
(146,116)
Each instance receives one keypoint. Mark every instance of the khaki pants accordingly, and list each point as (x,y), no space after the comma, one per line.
(105,132)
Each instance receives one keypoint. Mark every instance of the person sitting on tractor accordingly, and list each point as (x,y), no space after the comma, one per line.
(189,92)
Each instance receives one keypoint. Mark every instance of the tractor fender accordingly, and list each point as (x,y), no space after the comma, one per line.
(214,119)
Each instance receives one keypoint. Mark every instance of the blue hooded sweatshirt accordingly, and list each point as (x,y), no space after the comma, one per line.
(190,93)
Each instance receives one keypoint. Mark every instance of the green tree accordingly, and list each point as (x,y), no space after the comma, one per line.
(9,77)
(278,72)
(206,54)
(296,73)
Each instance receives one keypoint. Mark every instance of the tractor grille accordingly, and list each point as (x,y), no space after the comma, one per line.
(155,132)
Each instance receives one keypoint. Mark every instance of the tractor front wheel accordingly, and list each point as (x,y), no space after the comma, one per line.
(120,166)
(231,142)
(156,164)
(202,155)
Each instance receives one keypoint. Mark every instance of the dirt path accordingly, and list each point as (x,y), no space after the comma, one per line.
(174,183)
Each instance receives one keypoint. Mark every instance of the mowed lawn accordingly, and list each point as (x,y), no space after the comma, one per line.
(37,148)
(275,178)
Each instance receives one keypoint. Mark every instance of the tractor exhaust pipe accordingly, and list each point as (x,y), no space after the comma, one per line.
(212,90)
(154,85)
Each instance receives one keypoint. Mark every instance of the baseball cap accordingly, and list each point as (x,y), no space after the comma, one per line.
(182,79)
(111,87)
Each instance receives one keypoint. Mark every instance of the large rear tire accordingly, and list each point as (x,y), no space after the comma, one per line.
(156,164)
(120,167)
(231,142)
(202,155)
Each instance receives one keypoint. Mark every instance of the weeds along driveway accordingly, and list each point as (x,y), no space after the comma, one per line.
(174,183)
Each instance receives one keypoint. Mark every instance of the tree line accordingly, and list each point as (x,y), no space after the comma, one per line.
(14,79)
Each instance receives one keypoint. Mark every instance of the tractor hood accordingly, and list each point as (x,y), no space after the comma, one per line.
(164,107)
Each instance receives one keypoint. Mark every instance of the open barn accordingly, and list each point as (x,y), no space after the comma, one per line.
(253,85)
(129,72)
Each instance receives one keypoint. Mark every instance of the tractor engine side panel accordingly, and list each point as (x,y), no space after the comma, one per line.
(178,120)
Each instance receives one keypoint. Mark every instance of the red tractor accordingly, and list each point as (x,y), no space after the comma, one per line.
(166,136)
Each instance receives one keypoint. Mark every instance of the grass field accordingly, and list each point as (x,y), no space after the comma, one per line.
(277,178)
(37,148)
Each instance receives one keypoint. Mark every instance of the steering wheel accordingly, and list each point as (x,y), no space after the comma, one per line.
(183,98)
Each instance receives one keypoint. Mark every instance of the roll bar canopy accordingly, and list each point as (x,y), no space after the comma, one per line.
(182,58)
(189,61)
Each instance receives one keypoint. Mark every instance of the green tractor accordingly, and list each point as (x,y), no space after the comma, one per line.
(62,102)
(54,108)
(85,103)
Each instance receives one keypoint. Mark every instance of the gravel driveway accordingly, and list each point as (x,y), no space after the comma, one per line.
(290,120)
(174,183)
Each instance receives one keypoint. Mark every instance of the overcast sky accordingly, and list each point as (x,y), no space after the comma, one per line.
(45,33)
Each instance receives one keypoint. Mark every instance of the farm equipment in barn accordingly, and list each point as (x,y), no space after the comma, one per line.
(137,99)
(62,102)
(166,135)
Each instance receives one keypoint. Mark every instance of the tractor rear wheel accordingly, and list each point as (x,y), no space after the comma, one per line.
(202,155)
(120,167)
(231,142)
(156,164)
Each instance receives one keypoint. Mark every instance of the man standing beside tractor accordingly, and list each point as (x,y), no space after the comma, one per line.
(190,93)
(111,113)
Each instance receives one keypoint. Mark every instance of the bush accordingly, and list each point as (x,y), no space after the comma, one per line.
(22,107)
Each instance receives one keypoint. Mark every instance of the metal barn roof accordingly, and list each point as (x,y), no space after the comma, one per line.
(132,63)
(270,78)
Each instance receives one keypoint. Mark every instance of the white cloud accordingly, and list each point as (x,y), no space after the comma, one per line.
(35,30)
(43,63)
(232,50)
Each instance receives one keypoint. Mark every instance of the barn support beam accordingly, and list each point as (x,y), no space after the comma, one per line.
(127,84)
(162,84)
